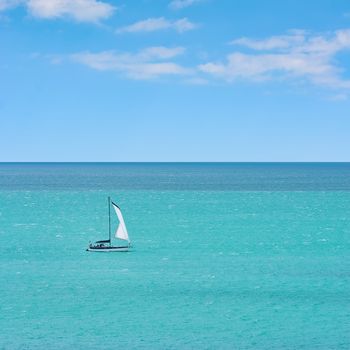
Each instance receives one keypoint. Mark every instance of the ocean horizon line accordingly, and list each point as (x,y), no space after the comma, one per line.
(174,162)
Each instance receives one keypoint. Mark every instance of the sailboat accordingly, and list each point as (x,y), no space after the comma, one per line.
(121,233)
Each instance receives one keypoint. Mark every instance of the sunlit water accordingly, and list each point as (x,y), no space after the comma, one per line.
(226,256)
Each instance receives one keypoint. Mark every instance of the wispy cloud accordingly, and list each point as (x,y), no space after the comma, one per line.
(160,23)
(8,4)
(79,10)
(274,42)
(148,63)
(196,81)
(339,97)
(160,52)
(180,4)
(297,55)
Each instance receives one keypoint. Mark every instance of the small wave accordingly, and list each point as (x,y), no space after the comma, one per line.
(30,224)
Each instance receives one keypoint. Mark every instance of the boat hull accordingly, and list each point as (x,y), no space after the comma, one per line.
(108,249)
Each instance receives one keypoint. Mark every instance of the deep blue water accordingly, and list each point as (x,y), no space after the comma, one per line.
(226,256)
(176,176)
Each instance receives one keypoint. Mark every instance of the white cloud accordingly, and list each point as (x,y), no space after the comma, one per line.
(160,52)
(180,4)
(298,55)
(8,4)
(146,64)
(160,23)
(197,81)
(80,10)
(274,42)
(339,97)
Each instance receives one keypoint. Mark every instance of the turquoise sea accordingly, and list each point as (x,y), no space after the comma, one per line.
(226,256)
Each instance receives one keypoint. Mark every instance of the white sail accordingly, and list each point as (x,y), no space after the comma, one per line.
(121,232)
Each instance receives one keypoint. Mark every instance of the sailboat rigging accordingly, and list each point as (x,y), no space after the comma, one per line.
(121,234)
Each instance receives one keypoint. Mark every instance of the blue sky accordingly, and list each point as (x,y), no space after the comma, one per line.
(182,80)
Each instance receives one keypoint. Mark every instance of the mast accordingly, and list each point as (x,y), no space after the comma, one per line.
(109,219)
